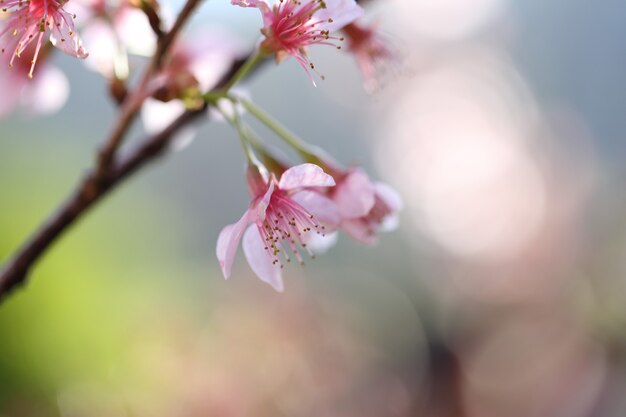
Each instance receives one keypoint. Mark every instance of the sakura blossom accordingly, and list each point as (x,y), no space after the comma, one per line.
(366,207)
(280,218)
(290,26)
(371,51)
(198,61)
(113,31)
(168,75)
(29,21)
(195,65)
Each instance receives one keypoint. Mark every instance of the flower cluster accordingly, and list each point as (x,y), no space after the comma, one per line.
(287,217)
(114,31)
(295,210)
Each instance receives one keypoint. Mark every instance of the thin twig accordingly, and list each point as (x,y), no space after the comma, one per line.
(151,10)
(90,190)
(131,105)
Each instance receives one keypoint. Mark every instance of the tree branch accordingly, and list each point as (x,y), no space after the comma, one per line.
(131,105)
(108,172)
(91,189)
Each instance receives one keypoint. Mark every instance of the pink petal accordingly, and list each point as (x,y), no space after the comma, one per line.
(342,12)
(354,195)
(260,260)
(305,175)
(389,196)
(360,231)
(211,51)
(319,244)
(228,241)
(246,3)
(323,209)
(209,67)
(262,5)
(64,36)
(261,208)
(133,28)
(157,115)
(86,9)
(103,44)
(389,223)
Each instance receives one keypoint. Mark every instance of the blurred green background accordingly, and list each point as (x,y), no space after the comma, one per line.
(501,294)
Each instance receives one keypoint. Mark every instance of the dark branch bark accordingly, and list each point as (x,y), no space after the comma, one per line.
(108,172)
(131,105)
(91,189)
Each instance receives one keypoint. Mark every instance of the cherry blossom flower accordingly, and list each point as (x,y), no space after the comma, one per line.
(366,207)
(115,30)
(280,218)
(370,50)
(290,26)
(30,20)
(199,60)
(196,62)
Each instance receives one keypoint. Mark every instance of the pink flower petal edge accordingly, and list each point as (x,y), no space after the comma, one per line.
(260,263)
(305,175)
(228,241)
(355,194)
(367,208)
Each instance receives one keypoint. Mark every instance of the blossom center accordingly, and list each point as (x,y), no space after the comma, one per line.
(29,21)
(294,26)
(285,229)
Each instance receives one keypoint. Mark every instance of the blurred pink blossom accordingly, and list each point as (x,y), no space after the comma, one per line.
(366,207)
(371,51)
(113,33)
(196,64)
(199,60)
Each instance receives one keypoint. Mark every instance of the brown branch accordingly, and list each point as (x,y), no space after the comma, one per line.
(131,105)
(167,40)
(91,189)
(151,10)
(108,172)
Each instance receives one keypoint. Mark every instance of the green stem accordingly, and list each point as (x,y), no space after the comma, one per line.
(248,66)
(295,142)
(242,134)
(213,96)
